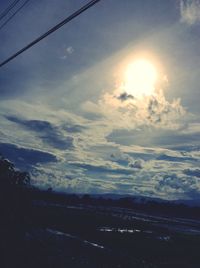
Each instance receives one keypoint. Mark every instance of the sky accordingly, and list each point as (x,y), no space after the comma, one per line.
(71,109)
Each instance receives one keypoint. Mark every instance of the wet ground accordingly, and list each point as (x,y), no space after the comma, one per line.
(96,236)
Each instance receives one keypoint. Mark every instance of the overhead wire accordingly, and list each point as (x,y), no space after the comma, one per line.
(9,8)
(53,29)
(14,14)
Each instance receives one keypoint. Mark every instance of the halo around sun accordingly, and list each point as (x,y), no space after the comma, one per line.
(140,78)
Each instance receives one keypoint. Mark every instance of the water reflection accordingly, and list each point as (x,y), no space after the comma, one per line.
(119,230)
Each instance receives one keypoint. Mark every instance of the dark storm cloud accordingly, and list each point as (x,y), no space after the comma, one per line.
(192,172)
(24,157)
(47,132)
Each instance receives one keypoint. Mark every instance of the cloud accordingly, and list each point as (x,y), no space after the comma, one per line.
(190,11)
(67,51)
(192,172)
(179,186)
(49,133)
(102,169)
(124,96)
(98,162)
(73,128)
(126,112)
(25,158)
(138,164)
(182,159)
(186,147)
(178,140)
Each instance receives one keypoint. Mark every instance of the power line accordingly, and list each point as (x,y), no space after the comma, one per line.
(15,13)
(7,10)
(53,29)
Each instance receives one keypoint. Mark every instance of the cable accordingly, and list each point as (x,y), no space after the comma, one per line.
(53,29)
(6,11)
(15,13)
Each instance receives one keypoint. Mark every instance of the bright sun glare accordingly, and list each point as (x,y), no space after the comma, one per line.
(140,78)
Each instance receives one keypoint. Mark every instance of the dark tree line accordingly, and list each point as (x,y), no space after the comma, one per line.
(14,204)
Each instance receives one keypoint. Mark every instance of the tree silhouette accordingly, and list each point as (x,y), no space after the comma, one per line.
(14,200)
(9,176)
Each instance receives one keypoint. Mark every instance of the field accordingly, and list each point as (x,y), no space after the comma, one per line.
(54,234)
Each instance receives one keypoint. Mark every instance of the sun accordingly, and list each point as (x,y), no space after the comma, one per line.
(140,78)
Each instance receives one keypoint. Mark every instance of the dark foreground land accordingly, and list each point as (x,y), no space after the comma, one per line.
(41,229)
